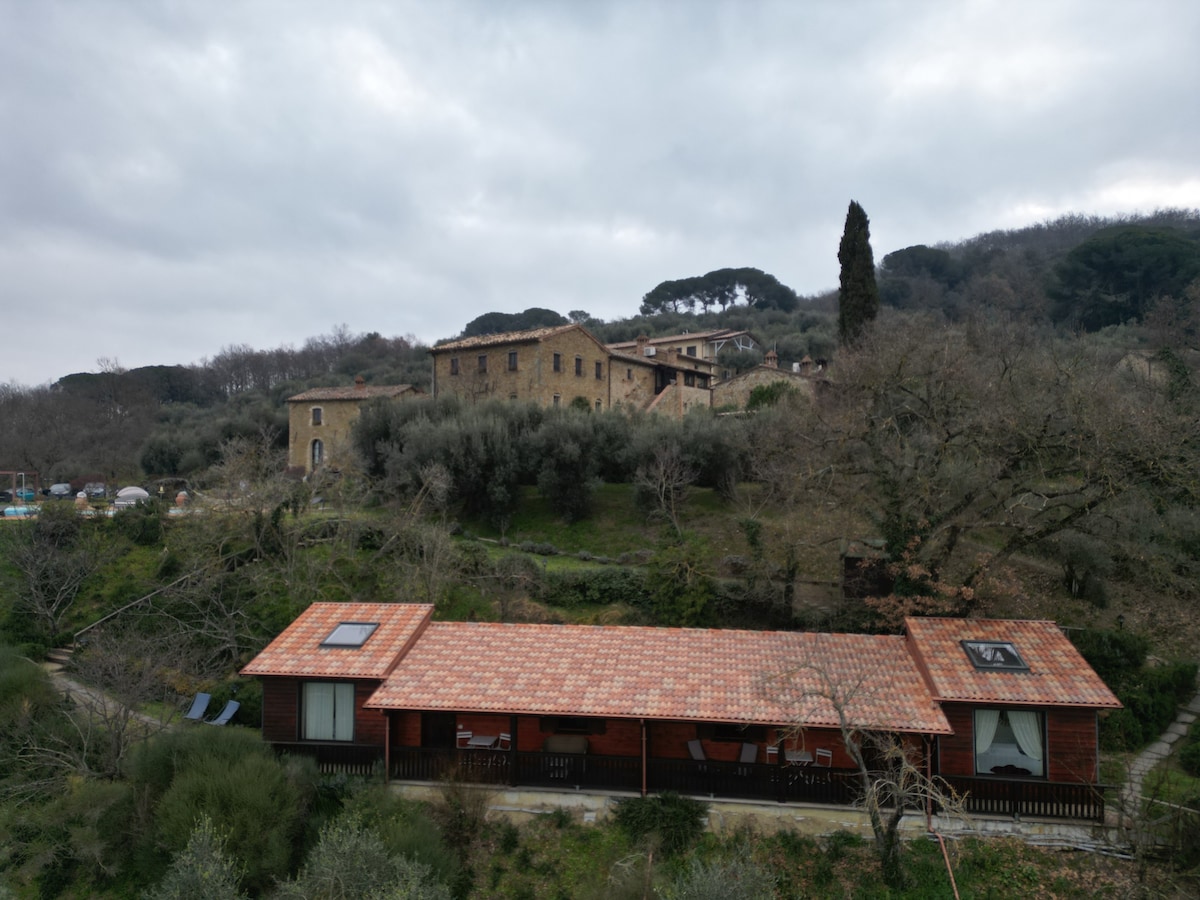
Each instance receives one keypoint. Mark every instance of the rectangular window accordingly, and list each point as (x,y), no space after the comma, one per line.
(482,362)
(557,362)
(454,365)
(316,415)
(689,379)
(600,370)
(1010,742)
(512,360)
(629,374)
(598,406)
(557,399)
(327,711)
(579,365)
(691,351)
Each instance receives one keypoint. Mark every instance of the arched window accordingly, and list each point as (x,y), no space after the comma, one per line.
(318,453)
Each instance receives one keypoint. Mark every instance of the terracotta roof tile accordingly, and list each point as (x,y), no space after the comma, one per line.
(1058,675)
(353,392)
(662,673)
(507,337)
(298,651)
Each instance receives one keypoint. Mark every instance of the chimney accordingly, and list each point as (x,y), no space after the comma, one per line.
(360,383)
(806,365)
(771,359)
(642,340)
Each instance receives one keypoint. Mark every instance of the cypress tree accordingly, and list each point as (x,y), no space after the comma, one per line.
(858,295)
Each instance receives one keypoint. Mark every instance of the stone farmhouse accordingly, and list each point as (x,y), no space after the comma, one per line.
(566,364)
(319,421)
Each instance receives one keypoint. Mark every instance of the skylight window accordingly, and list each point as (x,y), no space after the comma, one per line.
(998,655)
(350,634)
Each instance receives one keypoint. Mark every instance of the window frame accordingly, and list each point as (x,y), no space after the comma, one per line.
(316,453)
(512,360)
(557,362)
(482,361)
(579,366)
(317,416)
(341,696)
(454,365)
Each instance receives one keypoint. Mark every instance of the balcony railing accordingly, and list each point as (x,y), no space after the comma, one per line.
(348,759)
(1038,799)
(783,784)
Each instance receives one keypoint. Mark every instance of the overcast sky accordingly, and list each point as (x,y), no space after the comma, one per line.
(177,177)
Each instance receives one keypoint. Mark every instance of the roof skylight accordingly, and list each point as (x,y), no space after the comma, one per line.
(350,634)
(1001,656)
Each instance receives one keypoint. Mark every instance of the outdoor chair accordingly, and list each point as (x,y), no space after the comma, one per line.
(461,739)
(504,742)
(226,714)
(199,708)
(824,758)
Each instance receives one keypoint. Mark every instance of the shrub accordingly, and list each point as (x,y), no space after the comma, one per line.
(677,821)
(350,862)
(592,587)
(1189,758)
(203,870)
(739,878)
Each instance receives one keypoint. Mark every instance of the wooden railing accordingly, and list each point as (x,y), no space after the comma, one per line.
(782,784)
(1040,799)
(348,759)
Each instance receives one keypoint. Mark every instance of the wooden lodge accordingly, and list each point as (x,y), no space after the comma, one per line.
(1005,711)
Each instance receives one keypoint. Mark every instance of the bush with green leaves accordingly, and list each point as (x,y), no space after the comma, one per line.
(734,877)
(676,821)
(351,862)
(203,870)
(570,588)
(256,801)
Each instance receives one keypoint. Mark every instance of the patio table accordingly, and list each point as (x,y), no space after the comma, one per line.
(482,741)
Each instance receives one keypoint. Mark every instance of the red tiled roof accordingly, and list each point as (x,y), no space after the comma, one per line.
(1058,675)
(507,337)
(353,392)
(298,651)
(662,673)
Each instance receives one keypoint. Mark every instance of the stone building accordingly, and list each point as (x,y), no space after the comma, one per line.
(320,419)
(565,364)
(735,391)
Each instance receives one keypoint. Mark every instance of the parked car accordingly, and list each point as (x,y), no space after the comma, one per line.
(60,491)
(95,490)
(26,494)
(6,496)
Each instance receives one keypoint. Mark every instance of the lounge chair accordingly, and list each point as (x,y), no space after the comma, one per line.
(226,714)
(199,708)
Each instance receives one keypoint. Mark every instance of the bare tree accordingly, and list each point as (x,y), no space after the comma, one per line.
(54,556)
(889,767)
(664,482)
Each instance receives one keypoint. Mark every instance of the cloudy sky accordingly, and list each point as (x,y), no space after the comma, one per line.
(178,176)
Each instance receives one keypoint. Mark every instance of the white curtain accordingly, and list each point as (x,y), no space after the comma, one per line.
(343,712)
(318,711)
(986,721)
(1027,727)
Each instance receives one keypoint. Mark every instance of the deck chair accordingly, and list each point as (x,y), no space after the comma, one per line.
(504,742)
(199,708)
(461,738)
(824,758)
(226,714)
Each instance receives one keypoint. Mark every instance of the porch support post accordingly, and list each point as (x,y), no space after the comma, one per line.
(512,751)
(387,746)
(644,742)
